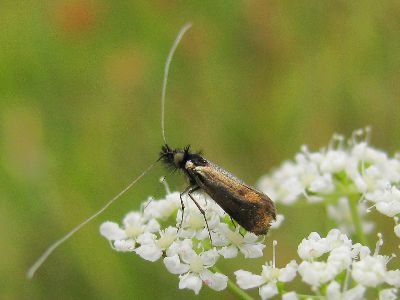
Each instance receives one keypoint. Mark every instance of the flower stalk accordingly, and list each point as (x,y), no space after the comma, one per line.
(359,232)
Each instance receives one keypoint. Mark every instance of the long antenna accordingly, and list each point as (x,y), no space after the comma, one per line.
(166,70)
(56,244)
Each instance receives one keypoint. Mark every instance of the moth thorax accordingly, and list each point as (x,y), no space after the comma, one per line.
(189,165)
(178,158)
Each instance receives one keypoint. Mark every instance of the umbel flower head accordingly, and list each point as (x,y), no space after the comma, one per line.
(349,178)
(332,266)
(345,175)
(155,233)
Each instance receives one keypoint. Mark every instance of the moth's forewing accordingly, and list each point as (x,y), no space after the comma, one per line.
(252,209)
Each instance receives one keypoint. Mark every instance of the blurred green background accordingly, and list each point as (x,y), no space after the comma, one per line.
(80,83)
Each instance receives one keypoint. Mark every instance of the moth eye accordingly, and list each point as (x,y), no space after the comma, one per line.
(201,161)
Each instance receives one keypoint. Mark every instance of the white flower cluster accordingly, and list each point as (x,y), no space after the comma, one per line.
(325,259)
(349,178)
(339,174)
(154,234)
(269,278)
(328,265)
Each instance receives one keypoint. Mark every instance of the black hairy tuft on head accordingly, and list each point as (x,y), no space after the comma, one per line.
(175,159)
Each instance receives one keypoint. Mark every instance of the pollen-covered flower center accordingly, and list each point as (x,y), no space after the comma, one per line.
(307,179)
(133,231)
(166,240)
(196,221)
(196,264)
(271,274)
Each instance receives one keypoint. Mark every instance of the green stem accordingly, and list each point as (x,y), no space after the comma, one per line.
(353,200)
(234,288)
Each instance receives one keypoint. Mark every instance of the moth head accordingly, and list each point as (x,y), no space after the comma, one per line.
(178,158)
(174,158)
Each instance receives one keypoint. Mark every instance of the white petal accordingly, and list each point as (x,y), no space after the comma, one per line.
(252,250)
(370,271)
(288,273)
(174,265)
(228,252)
(333,291)
(192,282)
(186,251)
(388,294)
(290,296)
(250,238)
(124,245)
(171,230)
(173,249)
(153,226)
(389,209)
(132,218)
(111,231)
(209,257)
(356,293)
(216,281)
(146,238)
(393,278)
(268,291)
(149,252)
(278,222)
(397,230)
(247,280)
(315,273)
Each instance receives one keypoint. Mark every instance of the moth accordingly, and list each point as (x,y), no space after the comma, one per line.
(250,208)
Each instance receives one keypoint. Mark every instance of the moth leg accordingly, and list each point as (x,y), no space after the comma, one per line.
(182,204)
(234,225)
(233,222)
(200,209)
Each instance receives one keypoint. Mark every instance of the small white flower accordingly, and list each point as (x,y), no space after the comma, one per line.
(316,273)
(284,185)
(312,247)
(341,254)
(135,225)
(370,271)
(335,239)
(194,225)
(268,279)
(162,209)
(334,161)
(334,292)
(285,274)
(193,267)
(341,257)
(322,184)
(247,280)
(268,290)
(388,202)
(152,248)
(248,244)
(125,238)
(111,231)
